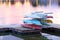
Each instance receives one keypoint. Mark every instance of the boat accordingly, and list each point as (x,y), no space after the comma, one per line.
(38,20)
(33,24)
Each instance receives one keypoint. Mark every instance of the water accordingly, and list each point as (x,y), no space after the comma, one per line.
(15,13)
(21,37)
(29,37)
(51,37)
(10,37)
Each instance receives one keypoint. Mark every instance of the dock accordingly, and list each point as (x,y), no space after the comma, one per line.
(18,30)
(54,29)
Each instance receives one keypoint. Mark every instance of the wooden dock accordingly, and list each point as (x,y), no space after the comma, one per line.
(20,30)
(52,31)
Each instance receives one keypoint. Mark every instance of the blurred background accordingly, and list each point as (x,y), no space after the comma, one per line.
(13,11)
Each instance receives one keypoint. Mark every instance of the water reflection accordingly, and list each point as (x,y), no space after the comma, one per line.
(22,1)
(12,36)
(12,2)
(59,2)
(21,37)
(34,3)
(43,2)
(3,1)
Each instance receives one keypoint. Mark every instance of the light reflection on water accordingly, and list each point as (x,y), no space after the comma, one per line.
(10,37)
(23,37)
(16,36)
(13,14)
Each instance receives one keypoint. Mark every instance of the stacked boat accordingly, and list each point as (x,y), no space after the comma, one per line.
(32,24)
(37,20)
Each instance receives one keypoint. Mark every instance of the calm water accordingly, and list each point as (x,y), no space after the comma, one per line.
(10,36)
(20,37)
(15,13)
